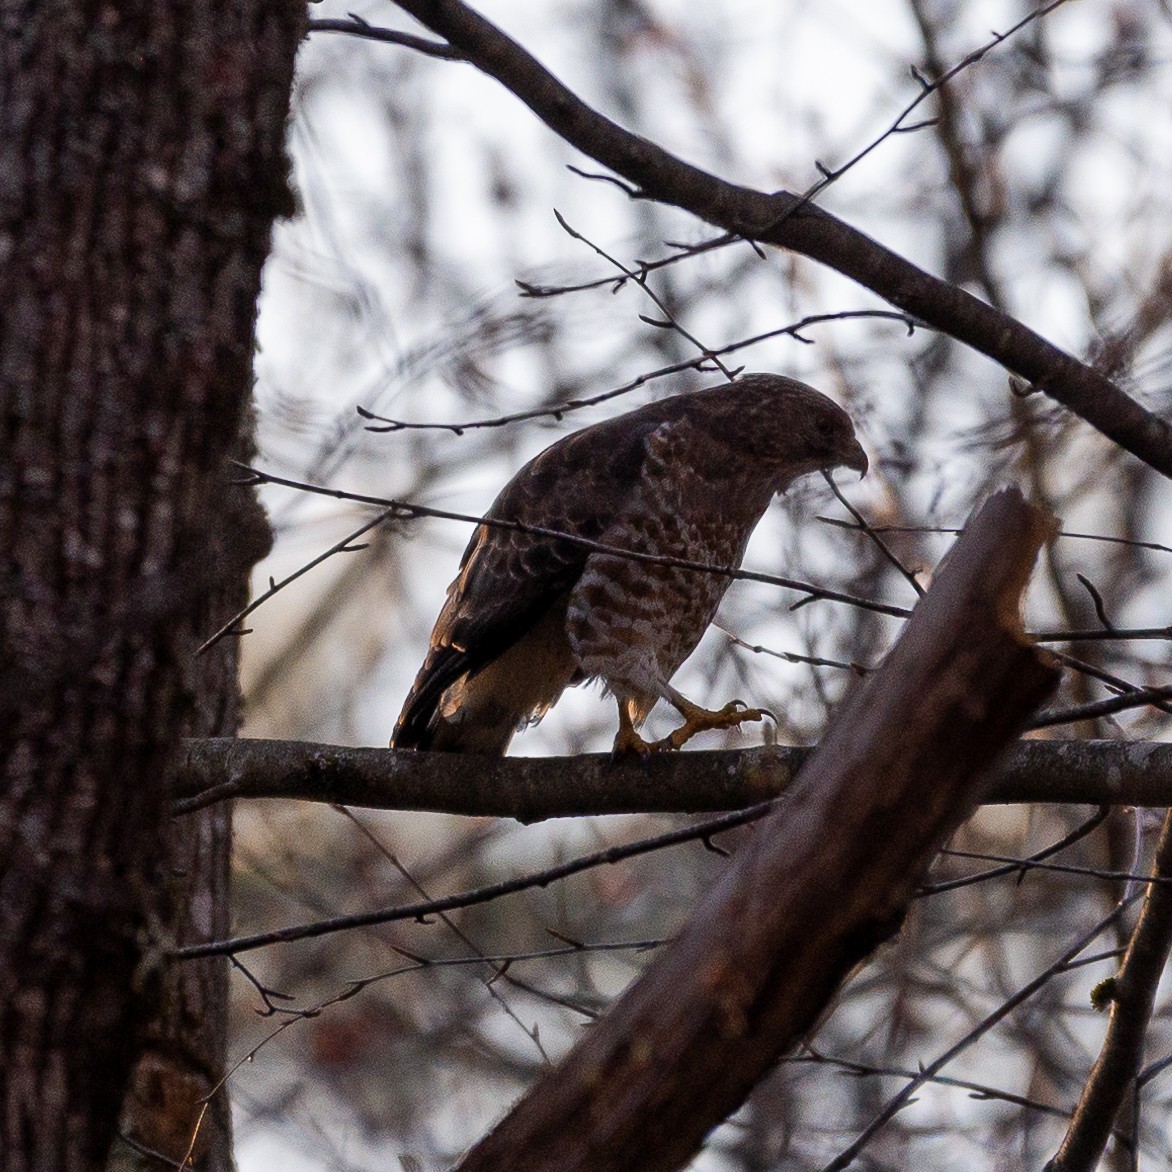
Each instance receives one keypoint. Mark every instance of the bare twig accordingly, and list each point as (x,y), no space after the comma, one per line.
(669,320)
(641,269)
(432,907)
(927,88)
(346,545)
(1136,699)
(876,540)
(847,1156)
(1017,866)
(1105,677)
(499,969)
(357,27)
(1103,635)
(977,1090)
(1022,865)
(790,656)
(952,530)
(699,363)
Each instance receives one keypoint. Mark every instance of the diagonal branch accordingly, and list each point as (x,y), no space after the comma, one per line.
(421,909)
(1132,993)
(792,222)
(820,883)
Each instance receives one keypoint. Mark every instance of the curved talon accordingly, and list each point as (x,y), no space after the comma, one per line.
(697,720)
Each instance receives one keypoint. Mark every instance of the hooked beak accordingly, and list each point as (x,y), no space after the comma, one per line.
(856,458)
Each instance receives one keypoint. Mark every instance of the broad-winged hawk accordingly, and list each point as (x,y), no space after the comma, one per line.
(686,477)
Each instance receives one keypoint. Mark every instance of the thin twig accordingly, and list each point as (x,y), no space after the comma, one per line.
(1017,866)
(977,1090)
(344,546)
(1100,635)
(951,530)
(642,268)
(559,410)
(790,656)
(669,320)
(1101,707)
(903,1098)
(479,895)
(1022,865)
(878,541)
(406,510)
(357,27)
(1132,993)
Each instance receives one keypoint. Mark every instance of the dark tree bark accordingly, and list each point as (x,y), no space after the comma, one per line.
(141,167)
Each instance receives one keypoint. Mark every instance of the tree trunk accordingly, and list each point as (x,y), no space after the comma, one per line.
(141,167)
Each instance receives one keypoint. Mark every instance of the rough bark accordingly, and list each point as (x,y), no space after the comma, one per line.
(819,885)
(1097,773)
(141,166)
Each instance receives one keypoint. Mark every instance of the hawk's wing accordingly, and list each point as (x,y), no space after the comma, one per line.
(509,580)
(708,461)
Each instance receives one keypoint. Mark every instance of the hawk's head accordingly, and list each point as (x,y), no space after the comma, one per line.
(793,429)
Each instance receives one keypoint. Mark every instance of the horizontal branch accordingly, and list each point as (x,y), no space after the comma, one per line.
(1137,773)
(791,221)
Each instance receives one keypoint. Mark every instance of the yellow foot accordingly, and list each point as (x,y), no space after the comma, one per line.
(697,719)
(629,742)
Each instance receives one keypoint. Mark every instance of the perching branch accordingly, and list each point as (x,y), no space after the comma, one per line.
(530,789)
(792,222)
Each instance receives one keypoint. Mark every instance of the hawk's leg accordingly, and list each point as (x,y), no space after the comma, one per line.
(697,719)
(628,740)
